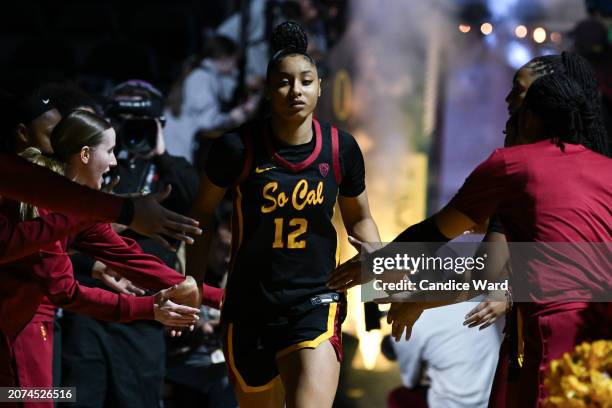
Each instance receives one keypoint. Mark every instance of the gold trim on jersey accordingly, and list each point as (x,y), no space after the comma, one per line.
(238,219)
(337,235)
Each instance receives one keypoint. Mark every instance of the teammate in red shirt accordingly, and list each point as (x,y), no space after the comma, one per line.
(84,143)
(487,312)
(578,69)
(33,184)
(547,189)
(27,122)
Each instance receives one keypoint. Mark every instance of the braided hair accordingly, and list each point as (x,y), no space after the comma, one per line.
(288,38)
(565,111)
(579,70)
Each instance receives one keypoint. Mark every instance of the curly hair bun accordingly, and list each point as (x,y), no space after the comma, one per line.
(289,36)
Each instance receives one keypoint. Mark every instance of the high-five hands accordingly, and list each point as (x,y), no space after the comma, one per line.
(349,274)
(179,306)
(185,293)
(175,316)
(401,316)
(114,280)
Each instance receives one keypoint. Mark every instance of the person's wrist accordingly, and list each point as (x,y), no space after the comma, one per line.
(159,299)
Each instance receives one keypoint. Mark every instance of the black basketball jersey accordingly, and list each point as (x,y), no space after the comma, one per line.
(284,245)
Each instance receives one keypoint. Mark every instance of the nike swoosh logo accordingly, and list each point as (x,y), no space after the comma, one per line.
(45,101)
(261,170)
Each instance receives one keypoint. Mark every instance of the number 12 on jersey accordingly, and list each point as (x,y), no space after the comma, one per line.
(292,238)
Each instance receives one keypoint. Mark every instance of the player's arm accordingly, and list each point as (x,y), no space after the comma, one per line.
(124,255)
(226,162)
(355,210)
(208,199)
(22,238)
(44,188)
(357,217)
(473,204)
(497,303)
(56,276)
(477,200)
(362,234)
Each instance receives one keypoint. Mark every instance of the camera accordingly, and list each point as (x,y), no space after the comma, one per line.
(134,108)
(137,135)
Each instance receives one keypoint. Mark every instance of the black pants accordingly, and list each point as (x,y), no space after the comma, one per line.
(113,364)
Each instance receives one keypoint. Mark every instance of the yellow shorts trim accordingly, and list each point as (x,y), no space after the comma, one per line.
(331,319)
(241,383)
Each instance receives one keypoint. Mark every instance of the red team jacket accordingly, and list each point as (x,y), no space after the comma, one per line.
(24,181)
(49,273)
(40,268)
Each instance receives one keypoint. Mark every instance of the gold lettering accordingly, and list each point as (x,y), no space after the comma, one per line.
(292,239)
(300,197)
(299,193)
(269,188)
(319,199)
(282,199)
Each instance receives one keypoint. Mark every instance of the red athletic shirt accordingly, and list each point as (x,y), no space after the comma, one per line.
(49,273)
(21,238)
(544,194)
(24,181)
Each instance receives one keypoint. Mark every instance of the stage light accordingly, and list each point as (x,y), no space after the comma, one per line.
(464,28)
(517,54)
(539,35)
(501,9)
(486,28)
(520,31)
(555,37)
(491,40)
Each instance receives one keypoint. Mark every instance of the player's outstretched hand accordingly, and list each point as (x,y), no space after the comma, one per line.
(488,311)
(153,220)
(114,280)
(174,315)
(349,274)
(185,293)
(402,316)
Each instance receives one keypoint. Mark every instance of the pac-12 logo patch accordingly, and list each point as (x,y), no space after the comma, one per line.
(324,169)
